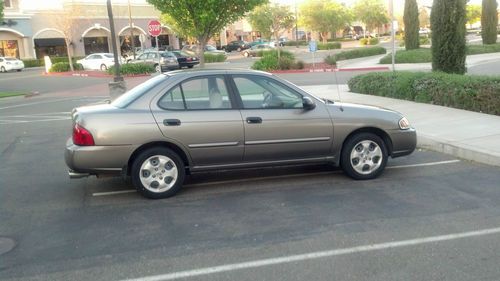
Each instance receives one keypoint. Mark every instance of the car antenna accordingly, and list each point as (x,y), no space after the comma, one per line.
(338,88)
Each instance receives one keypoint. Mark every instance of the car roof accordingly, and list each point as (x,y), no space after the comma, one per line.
(188,72)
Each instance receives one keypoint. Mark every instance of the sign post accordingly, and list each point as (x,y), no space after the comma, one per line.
(154,29)
(313,47)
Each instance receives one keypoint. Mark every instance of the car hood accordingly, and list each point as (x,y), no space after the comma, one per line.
(360,115)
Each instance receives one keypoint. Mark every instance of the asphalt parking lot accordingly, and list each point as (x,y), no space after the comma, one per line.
(428,217)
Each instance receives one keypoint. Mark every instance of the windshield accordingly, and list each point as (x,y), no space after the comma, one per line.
(130,96)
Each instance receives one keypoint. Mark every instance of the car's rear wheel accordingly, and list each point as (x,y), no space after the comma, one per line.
(104,67)
(364,156)
(158,173)
(239,49)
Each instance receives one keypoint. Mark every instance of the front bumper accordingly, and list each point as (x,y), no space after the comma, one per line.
(95,160)
(404,142)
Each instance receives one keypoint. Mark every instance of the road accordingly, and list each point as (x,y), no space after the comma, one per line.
(428,217)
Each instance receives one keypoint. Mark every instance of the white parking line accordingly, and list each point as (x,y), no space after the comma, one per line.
(424,164)
(278,177)
(83,98)
(316,255)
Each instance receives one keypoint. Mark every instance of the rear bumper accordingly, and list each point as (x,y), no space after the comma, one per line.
(94,160)
(404,142)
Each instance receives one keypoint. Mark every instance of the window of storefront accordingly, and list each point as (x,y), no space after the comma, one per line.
(9,48)
(7,4)
(163,41)
(126,43)
(95,45)
(55,47)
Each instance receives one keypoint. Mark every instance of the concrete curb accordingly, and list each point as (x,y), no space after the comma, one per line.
(320,70)
(460,151)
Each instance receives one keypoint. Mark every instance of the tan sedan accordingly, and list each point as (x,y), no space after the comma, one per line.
(188,121)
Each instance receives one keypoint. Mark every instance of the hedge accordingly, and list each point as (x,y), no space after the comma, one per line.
(475,93)
(330,59)
(410,56)
(425,55)
(360,52)
(369,41)
(329,46)
(269,61)
(133,68)
(64,67)
(214,57)
(54,60)
(294,43)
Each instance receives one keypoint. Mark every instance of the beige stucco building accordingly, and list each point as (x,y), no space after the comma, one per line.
(33,33)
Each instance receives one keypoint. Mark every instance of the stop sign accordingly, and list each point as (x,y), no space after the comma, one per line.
(154,28)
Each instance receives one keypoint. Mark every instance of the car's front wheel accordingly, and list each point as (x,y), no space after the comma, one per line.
(364,156)
(158,173)
(104,67)
(2,69)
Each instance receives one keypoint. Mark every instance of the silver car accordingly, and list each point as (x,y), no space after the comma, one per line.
(188,121)
(167,60)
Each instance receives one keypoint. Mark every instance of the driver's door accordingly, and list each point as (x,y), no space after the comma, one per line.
(277,127)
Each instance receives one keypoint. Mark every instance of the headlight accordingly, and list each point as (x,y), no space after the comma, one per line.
(404,124)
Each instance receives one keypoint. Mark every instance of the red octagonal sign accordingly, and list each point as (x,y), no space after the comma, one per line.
(154,28)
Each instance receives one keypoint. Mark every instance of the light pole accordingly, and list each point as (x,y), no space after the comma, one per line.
(296,27)
(393,34)
(117,87)
(131,29)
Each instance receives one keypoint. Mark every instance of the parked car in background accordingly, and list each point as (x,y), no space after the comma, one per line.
(98,61)
(282,41)
(190,121)
(209,49)
(252,52)
(167,61)
(236,46)
(9,64)
(186,60)
(257,42)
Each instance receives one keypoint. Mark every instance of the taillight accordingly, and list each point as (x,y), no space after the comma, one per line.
(82,136)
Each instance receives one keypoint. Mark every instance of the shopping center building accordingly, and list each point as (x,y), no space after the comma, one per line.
(33,33)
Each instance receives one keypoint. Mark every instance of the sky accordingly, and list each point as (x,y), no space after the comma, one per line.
(50,4)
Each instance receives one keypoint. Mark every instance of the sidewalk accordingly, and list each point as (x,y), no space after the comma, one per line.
(464,134)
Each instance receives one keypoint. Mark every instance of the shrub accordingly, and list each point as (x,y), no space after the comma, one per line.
(270,61)
(409,56)
(359,53)
(329,46)
(33,62)
(214,57)
(299,64)
(368,41)
(294,43)
(64,67)
(475,93)
(330,59)
(41,61)
(424,40)
(482,49)
(133,68)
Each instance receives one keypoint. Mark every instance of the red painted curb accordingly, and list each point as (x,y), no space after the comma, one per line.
(90,74)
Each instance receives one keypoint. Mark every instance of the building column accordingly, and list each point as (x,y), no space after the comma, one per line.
(27,53)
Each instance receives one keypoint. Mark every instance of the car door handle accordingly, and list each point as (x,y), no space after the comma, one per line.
(254,120)
(171,122)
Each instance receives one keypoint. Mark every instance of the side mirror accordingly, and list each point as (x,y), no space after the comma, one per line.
(308,103)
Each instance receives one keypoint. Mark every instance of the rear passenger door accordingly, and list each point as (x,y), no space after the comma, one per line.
(200,114)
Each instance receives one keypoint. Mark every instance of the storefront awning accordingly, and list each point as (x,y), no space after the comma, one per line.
(49,42)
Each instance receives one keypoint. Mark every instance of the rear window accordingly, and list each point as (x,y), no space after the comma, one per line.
(136,92)
(109,55)
(10,59)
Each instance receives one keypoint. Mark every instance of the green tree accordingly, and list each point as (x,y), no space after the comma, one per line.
(324,16)
(1,11)
(202,19)
(271,20)
(489,22)
(473,14)
(411,25)
(372,13)
(448,36)
(423,17)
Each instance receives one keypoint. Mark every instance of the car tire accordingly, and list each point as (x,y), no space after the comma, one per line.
(190,66)
(364,156)
(158,173)
(19,70)
(239,49)
(157,68)
(2,69)
(104,67)
(246,54)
